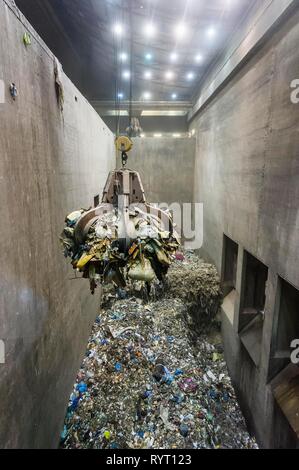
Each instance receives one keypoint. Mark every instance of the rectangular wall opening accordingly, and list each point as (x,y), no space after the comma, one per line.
(253,289)
(253,300)
(285,388)
(230,261)
(285,327)
(96,200)
(229,276)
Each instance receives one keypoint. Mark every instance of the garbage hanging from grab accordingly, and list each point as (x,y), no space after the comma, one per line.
(122,240)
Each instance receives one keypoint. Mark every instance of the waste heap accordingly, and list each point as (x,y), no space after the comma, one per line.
(148,382)
(197,284)
(123,238)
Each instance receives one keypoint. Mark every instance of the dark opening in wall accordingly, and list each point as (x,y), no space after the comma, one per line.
(285,327)
(285,388)
(229,276)
(253,299)
(230,260)
(96,200)
(284,436)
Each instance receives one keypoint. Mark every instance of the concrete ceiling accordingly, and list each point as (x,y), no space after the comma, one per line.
(80,34)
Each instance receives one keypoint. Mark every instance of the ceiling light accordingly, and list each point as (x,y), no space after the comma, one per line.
(123,57)
(120,96)
(211,32)
(229,3)
(148,75)
(150,30)
(146,95)
(174,57)
(164,112)
(169,75)
(174,96)
(190,76)
(180,30)
(116,112)
(126,74)
(118,29)
(142,136)
(176,136)
(148,56)
(198,58)
(158,135)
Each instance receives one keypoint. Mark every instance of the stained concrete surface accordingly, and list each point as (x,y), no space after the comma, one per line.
(50,164)
(247,169)
(166,167)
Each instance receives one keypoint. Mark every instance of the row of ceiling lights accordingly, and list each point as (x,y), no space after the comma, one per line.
(175,135)
(146,96)
(169,75)
(173,57)
(181,31)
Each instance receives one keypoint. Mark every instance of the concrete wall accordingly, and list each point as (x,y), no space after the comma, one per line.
(50,164)
(150,124)
(247,172)
(166,166)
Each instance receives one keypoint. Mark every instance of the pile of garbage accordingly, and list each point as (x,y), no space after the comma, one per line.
(114,250)
(198,285)
(147,383)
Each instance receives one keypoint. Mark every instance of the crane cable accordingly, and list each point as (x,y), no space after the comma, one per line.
(117,46)
(123,143)
(117,60)
(131,65)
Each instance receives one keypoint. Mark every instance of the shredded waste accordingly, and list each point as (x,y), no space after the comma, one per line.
(154,374)
(101,256)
